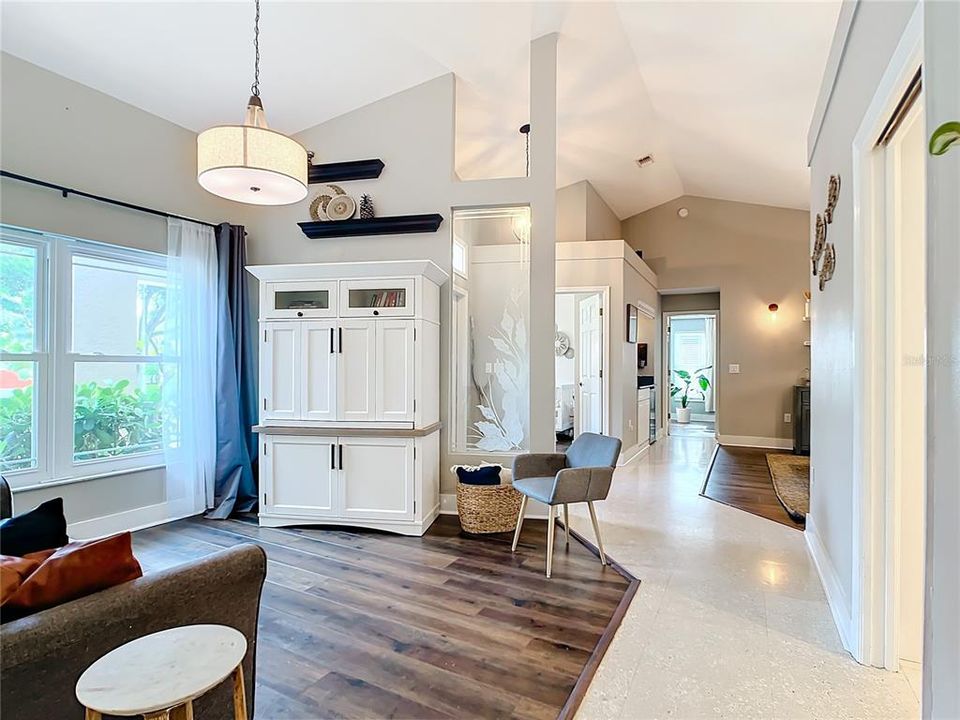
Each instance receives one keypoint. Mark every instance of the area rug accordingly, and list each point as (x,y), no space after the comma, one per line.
(791,480)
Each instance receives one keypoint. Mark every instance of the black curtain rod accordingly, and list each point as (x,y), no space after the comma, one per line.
(65,191)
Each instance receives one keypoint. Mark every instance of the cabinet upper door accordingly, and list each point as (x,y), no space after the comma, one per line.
(396,373)
(279,371)
(377,478)
(294,300)
(318,380)
(299,475)
(377,298)
(356,370)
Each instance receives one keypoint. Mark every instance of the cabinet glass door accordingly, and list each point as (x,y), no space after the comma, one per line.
(376,298)
(300,300)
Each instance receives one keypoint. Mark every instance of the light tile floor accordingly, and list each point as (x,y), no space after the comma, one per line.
(730,620)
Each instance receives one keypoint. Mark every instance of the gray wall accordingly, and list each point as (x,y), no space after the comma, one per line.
(57,130)
(583,215)
(689,302)
(755,255)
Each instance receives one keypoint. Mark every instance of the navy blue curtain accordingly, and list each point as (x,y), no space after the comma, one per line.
(235,489)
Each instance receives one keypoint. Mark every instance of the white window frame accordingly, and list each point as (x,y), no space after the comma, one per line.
(56,360)
(696,393)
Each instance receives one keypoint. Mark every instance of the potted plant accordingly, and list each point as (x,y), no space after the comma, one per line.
(697,376)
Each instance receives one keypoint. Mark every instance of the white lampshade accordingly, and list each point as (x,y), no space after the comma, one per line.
(251,163)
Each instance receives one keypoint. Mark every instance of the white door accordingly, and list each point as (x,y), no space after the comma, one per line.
(280,371)
(356,370)
(318,387)
(377,478)
(395,370)
(589,412)
(299,475)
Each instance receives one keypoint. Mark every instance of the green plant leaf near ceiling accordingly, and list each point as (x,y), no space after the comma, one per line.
(943,137)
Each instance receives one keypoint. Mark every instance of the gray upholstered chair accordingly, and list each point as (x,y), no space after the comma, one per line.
(582,474)
(6,499)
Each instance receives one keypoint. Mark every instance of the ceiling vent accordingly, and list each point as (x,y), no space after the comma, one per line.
(645,160)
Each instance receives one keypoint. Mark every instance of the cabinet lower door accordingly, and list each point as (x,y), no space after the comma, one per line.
(280,371)
(318,381)
(356,370)
(395,370)
(299,476)
(377,478)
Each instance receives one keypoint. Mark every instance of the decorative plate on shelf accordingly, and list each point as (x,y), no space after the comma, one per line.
(341,207)
(325,193)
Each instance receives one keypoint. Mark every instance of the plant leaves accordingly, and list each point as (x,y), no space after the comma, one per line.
(944,137)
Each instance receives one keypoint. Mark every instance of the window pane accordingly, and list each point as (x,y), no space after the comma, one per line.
(18,416)
(490,368)
(119,308)
(117,409)
(18,298)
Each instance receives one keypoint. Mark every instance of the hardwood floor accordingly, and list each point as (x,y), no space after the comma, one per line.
(740,478)
(357,624)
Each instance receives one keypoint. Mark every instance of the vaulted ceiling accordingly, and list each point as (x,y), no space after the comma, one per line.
(720,93)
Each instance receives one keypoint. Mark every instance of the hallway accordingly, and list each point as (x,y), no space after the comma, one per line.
(730,619)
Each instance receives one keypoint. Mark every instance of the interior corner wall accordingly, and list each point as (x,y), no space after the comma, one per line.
(582,214)
(60,131)
(601,222)
(755,255)
(870,44)
(941,658)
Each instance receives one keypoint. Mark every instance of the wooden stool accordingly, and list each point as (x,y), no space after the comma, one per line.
(159,676)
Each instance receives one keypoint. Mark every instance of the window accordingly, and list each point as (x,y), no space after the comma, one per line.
(690,354)
(83,368)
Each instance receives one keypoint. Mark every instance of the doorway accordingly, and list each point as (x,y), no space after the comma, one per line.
(690,350)
(581,371)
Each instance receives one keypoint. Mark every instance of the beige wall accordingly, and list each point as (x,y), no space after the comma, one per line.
(583,215)
(60,131)
(755,255)
(689,302)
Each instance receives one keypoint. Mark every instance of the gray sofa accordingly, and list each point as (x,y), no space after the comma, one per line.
(42,655)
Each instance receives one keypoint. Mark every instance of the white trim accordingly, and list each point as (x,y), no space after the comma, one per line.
(756,441)
(606,250)
(135,519)
(869,441)
(838,47)
(374,269)
(633,453)
(836,599)
(664,371)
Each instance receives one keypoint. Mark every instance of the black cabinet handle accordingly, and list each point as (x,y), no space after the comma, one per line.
(333,462)
(340,339)
(299,313)
(376,312)
(331,340)
(341,457)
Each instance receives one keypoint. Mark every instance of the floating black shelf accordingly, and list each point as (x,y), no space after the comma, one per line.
(395,225)
(341,171)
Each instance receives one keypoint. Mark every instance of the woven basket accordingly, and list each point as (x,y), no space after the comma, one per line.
(487,508)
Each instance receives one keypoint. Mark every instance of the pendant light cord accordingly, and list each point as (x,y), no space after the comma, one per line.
(255,88)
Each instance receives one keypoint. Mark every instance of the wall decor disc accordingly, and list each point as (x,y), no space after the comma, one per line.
(341,207)
(325,193)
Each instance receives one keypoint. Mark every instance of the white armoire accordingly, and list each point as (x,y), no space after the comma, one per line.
(350,394)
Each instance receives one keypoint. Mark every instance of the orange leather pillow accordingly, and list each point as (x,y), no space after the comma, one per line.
(78,569)
(13,571)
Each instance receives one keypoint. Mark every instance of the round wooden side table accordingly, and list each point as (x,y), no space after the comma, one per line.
(159,676)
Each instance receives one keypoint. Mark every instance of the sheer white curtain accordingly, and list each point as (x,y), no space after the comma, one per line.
(190,355)
(710,359)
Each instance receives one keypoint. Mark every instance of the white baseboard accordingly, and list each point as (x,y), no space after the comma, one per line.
(448,506)
(632,453)
(135,519)
(758,442)
(836,598)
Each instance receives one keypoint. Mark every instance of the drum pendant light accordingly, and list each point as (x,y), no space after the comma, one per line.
(251,163)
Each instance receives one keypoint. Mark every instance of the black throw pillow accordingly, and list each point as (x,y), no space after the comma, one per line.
(42,528)
(483,475)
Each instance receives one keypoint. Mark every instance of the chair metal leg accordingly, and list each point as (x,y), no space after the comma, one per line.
(596,530)
(566,522)
(516,533)
(551,523)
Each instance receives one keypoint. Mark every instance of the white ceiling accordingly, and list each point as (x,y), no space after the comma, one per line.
(720,93)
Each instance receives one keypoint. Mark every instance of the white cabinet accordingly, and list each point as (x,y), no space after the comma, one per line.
(377,478)
(350,394)
(357,370)
(298,476)
(643,416)
(279,371)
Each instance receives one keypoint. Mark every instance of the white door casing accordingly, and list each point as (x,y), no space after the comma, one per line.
(299,476)
(356,370)
(589,412)
(318,379)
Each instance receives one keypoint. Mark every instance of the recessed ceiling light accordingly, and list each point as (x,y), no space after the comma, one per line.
(645,160)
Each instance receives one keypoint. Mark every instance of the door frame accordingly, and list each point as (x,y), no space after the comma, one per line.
(664,379)
(874,532)
(604,292)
